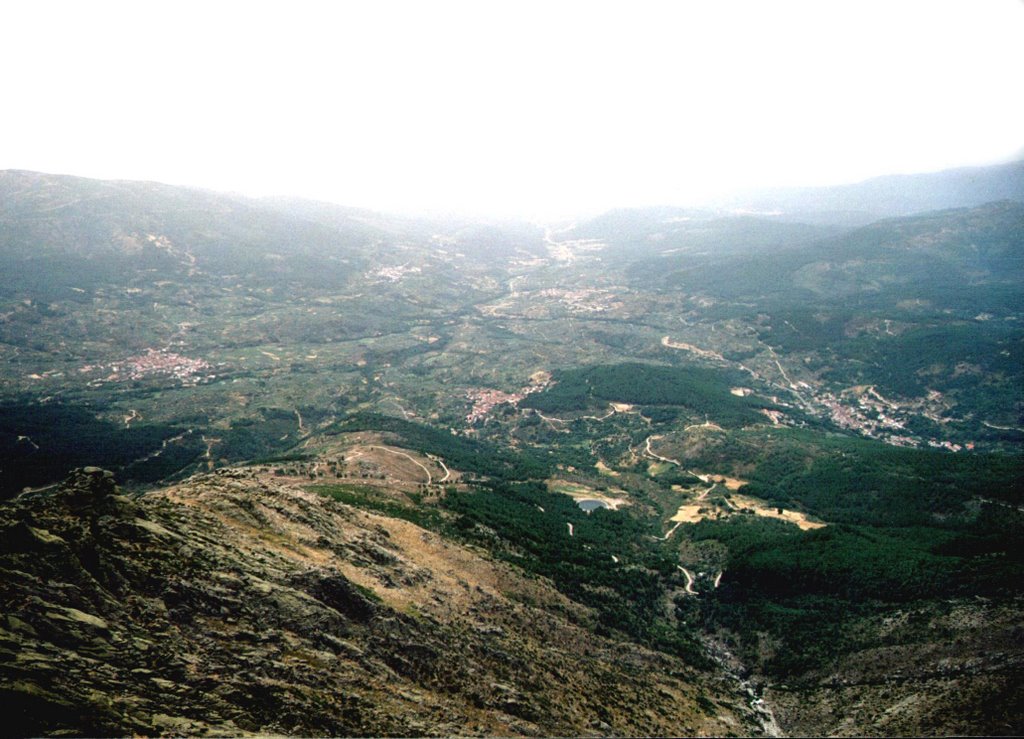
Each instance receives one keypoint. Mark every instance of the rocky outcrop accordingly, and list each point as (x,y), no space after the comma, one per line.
(942,668)
(231,604)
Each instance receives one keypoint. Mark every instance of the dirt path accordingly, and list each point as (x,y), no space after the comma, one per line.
(1001,428)
(676,462)
(647,450)
(570,528)
(447,472)
(133,415)
(25,491)
(430,478)
(550,420)
(615,408)
(29,440)
(513,293)
(990,501)
(68,204)
(208,454)
(706,425)
(551,423)
(163,446)
(669,532)
(790,385)
(706,353)
(881,398)
(404,412)
(689,580)
(557,249)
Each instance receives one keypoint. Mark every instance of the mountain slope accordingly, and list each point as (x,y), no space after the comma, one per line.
(231,604)
(892,195)
(912,305)
(60,233)
(963,255)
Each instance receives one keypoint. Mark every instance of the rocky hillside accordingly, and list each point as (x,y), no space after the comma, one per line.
(937,669)
(233,604)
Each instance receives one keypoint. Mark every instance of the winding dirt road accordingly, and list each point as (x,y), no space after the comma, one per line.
(676,462)
(689,580)
(430,478)
(669,533)
(447,472)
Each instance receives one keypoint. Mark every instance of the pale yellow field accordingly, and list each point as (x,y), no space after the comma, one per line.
(699,508)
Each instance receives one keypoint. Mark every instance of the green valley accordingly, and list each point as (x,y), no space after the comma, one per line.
(800,440)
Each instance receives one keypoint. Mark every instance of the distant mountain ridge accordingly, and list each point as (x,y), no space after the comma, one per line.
(850,204)
(60,233)
(75,215)
(941,253)
(890,195)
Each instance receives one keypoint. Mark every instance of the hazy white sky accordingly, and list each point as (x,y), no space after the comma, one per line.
(508,106)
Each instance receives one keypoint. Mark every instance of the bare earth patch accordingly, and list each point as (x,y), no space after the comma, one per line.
(578,491)
(702,507)
(761,508)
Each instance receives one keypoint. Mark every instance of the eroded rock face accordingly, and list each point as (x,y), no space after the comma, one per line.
(230,604)
(943,668)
